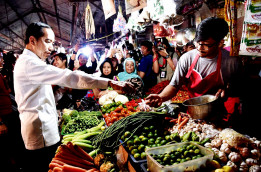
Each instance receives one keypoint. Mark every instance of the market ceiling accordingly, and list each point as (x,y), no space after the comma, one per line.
(66,17)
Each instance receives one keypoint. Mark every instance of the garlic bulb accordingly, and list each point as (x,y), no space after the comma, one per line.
(243,167)
(216,143)
(225,148)
(222,156)
(251,161)
(255,168)
(234,157)
(233,165)
(255,153)
(244,152)
(216,151)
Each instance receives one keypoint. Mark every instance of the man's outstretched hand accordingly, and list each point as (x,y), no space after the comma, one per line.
(126,87)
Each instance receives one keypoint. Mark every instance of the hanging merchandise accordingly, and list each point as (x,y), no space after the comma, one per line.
(119,24)
(157,10)
(251,35)
(231,18)
(108,8)
(89,23)
(160,31)
(134,5)
(133,23)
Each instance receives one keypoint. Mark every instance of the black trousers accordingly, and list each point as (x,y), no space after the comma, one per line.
(39,160)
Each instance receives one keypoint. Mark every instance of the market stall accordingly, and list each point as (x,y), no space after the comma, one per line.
(123,133)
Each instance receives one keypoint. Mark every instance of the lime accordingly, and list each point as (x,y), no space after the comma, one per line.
(131,148)
(141,137)
(151,127)
(146,128)
(141,147)
(137,141)
(143,155)
(130,142)
(127,134)
(134,151)
(136,156)
(150,134)
(144,140)
(151,141)
(167,137)
(157,141)
(163,142)
(118,103)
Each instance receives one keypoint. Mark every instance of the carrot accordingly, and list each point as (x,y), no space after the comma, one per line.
(72,157)
(58,162)
(76,152)
(179,119)
(173,120)
(84,154)
(50,170)
(57,169)
(53,164)
(70,168)
(183,123)
(92,170)
(77,164)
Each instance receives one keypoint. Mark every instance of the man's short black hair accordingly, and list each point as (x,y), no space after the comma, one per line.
(212,27)
(147,44)
(35,29)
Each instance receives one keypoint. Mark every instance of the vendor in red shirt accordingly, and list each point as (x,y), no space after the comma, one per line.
(208,69)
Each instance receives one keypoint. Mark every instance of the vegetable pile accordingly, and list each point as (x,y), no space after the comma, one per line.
(182,154)
(78,121)
(71,157)
(180,97)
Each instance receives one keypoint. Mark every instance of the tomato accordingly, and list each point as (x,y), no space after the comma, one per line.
(123,111)
(114,118)
(118,109)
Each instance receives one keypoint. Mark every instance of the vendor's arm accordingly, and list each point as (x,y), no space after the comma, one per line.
(156,100)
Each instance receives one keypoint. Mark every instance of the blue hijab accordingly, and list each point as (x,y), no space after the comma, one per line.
(123,76)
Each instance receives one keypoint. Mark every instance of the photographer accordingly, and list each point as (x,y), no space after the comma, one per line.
(163,64)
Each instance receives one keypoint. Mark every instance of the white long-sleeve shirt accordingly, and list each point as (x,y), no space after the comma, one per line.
(34,96)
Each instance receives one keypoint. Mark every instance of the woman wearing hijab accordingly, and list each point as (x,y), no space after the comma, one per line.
(130,74)
(107,71)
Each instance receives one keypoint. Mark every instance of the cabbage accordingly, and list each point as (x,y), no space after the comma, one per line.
(121,98)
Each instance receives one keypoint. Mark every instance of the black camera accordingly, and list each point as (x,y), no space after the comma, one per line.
(158,44)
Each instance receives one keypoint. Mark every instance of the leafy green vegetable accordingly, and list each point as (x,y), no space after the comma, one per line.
(74,113)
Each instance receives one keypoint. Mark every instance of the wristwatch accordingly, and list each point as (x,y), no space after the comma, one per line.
(167,56)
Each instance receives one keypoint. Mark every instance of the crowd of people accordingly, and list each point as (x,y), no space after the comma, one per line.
(43,80)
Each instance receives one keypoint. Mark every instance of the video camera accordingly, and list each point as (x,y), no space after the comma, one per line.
(158,43)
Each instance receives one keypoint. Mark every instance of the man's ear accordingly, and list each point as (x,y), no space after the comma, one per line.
(221,43)
(32,40)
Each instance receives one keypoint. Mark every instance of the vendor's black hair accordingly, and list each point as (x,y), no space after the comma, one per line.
(212,27)
(147,44)
(110,76)
(36,30)
(190,43)
(63,57)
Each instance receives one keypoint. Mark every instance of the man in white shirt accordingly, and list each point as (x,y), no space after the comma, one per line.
(34,96)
